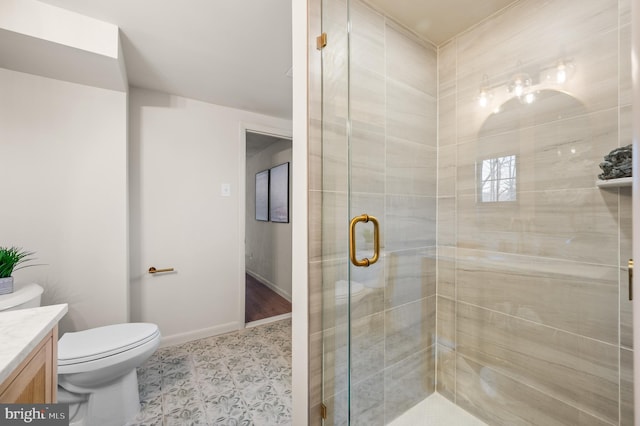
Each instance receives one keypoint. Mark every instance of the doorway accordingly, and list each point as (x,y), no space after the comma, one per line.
(267,256)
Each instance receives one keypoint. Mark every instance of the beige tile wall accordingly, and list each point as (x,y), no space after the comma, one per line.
(534,325)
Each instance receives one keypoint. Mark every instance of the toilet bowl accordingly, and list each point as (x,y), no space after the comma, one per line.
(96,367)
(97,372)
(358,291)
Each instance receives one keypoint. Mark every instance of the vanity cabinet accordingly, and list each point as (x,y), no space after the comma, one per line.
(35,380)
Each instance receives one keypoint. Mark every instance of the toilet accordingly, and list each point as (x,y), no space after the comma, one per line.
(96,367)
(97,372)
(358,291)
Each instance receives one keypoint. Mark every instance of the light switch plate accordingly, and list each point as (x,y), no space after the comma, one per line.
(225,190)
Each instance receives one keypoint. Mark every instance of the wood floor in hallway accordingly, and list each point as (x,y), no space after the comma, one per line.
(261,302)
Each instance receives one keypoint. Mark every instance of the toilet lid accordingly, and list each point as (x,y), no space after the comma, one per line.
(342,288)
(104,341)
(21,294)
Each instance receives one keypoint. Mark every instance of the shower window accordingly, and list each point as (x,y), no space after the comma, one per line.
(498,179)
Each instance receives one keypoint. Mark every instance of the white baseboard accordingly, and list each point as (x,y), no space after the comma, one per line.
(178,339)
(267,320)
(271,285)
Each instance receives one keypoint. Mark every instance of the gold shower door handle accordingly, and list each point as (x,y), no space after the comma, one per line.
(630,265)
(376,240)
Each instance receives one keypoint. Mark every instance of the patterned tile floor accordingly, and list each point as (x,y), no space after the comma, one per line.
(240,378)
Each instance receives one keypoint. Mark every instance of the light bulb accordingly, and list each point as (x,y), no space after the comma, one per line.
(530,98)
(518,88)
(483,98)
(561,74)
(519,83)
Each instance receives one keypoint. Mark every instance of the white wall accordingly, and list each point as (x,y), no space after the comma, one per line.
(43,21)
(300,211)
(45,40)
(181,151)
(64,192)
(268,244)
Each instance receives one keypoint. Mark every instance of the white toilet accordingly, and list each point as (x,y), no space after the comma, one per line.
(358,291)
(96,367)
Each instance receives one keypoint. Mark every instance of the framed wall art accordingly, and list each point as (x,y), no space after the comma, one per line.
(279,193)
(262,196)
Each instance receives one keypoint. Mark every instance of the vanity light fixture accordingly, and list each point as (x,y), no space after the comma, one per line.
(522,86)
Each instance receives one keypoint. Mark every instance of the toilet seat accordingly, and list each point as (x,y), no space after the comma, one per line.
(105,347)
(101,342)
(342,289)
(358,291)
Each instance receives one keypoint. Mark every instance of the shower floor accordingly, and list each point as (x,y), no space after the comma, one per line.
(436,410)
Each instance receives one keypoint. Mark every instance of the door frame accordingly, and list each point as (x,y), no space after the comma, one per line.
(635,64)
(277,132)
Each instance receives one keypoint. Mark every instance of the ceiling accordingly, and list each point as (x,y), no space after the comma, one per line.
(238,52)
(439,20)
(257,142)
(228,52)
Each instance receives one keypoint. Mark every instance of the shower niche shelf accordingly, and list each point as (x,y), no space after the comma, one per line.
(615,183)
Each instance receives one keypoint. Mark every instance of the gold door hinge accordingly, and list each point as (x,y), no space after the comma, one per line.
(321,41)
(323,411)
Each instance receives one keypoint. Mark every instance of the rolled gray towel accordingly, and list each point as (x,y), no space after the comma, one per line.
(617,164)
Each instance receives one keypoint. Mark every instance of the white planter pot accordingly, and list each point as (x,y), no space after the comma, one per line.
(6,285)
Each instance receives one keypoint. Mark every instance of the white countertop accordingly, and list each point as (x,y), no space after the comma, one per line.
(22,330)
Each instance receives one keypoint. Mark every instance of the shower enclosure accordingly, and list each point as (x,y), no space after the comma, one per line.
(499,287)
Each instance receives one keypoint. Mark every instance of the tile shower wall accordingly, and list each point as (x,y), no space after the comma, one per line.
(534,325)
(393,115)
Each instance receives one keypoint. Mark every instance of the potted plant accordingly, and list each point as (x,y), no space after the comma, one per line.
(10,259)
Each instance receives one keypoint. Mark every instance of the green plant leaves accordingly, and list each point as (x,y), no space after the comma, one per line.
(11,258)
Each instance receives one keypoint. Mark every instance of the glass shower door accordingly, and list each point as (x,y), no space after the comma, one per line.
(334,156)
(533,319)
(379,165)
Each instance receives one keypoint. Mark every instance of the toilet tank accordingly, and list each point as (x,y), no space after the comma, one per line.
(24,296)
